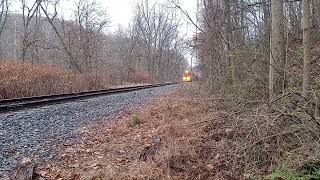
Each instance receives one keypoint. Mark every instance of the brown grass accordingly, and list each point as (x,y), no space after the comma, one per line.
(22,79)
(139,76)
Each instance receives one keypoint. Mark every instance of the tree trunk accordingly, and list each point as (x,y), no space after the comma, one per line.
(306,45)
(228,35)
(277,48)
(316,7)
(294,11)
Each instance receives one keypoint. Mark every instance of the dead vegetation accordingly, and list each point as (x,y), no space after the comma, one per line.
(284,131)
(20,80)
(187,136)
(23,80)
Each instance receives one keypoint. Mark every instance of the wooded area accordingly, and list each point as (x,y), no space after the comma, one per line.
(265,47)
(262,57)
(149,50)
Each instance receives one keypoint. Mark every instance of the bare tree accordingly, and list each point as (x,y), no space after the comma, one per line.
(4,8)
(28,13)
(158,28)
(91,22)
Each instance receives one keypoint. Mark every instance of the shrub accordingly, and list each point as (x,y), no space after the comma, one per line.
(285,173)
(134,121)
(141,77)
(308,171)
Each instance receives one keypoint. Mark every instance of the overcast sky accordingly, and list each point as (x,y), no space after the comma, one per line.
(121,11)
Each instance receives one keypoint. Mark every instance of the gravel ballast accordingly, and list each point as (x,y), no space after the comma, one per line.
(34,133)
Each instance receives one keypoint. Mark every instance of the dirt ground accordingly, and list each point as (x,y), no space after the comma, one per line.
(169,138)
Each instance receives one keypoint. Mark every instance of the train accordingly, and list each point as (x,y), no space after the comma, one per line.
(187,76)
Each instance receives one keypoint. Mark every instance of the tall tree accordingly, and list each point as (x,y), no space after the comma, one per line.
(277,48)
(4,8)
(307,45)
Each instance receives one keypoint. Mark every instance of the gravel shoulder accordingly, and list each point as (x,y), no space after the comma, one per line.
(35,133)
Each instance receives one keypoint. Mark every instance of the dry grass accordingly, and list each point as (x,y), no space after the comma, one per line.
(20,80)
(23,79)
(139,76)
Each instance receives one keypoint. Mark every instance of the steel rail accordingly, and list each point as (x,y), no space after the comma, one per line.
(36,101)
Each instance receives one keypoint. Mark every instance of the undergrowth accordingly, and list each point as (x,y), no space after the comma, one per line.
(266,133)
(306,172)
(283,172)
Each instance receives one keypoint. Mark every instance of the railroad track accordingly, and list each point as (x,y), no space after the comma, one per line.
(36,101)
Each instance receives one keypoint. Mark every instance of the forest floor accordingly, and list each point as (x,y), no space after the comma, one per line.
(181,135)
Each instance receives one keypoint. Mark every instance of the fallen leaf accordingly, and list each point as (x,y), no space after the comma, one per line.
(74,165)
(209,167)
(95,165)
(99,157)
(43,173)
(26,160)
(88,150)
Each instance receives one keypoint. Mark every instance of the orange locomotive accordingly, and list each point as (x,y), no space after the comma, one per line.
(187,76)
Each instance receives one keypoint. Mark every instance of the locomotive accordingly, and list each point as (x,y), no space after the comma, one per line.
(187,76)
